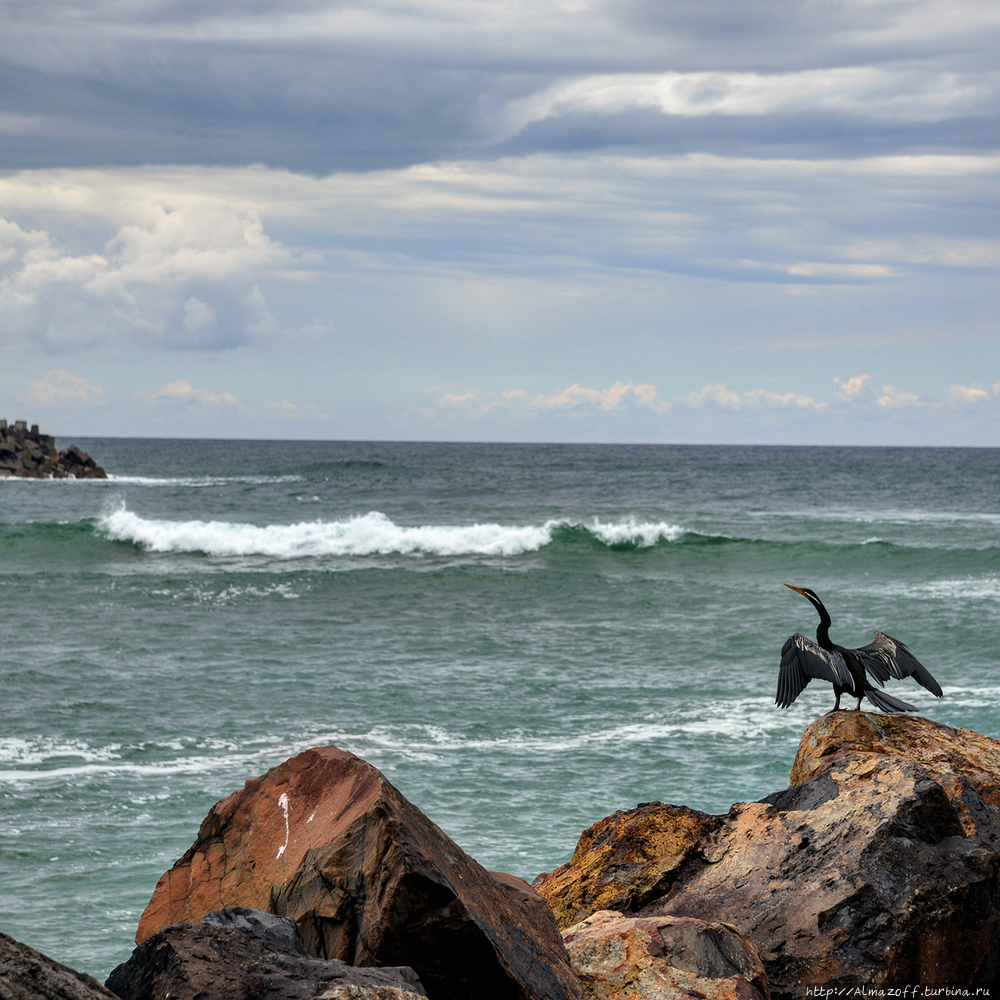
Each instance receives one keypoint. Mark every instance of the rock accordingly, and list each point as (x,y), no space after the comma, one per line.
(881,868)
(239,953)
(26,974)
(670,958)
(625,861)
(33,455)
(858,738)
(325,840)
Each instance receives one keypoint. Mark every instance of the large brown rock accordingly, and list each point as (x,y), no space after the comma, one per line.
(880,867)
(26,974)
(325,840)
(669,958)
(238,954)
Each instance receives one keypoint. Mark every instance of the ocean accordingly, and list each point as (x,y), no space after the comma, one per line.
(523,638)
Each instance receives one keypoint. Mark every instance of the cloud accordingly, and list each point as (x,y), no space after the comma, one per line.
(181,258)
(618,396)
(899,93)
(762,397)
(61,388)
(369,84)
(178,271)
(853,388)
(181,393)
(892,398)
(575,397)
(860,391)
(973,395)
(718,395)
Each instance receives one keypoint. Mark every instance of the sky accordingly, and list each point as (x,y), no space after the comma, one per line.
(703,221)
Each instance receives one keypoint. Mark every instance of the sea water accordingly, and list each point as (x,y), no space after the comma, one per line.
(523,638)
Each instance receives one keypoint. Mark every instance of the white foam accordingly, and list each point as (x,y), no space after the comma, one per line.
(882,516)
(643,534)
(970,588)
(362,535)
(198,481)
(229,594)
(31,753)
(730,719)
(367,534)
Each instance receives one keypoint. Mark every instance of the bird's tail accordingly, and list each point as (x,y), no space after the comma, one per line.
(886,702)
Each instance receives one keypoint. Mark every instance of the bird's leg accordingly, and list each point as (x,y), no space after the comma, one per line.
(836,704)
(857,708)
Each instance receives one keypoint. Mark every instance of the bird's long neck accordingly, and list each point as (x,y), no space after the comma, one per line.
(823,629)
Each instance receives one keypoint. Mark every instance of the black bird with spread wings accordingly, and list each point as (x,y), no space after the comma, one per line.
(847,669)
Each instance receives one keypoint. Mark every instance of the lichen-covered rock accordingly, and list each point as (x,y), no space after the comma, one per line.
(881,868)
(624,861)
(669,958)
(325,840)
(856,739)
(26,974)
(239,953)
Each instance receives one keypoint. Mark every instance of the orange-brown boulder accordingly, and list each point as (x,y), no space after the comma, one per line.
(669,958)
(325,840)
(880,867)
(625,861)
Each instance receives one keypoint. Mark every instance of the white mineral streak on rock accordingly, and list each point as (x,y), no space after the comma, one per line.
(283,802)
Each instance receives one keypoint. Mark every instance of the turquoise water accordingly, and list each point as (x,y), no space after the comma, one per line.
(524,638)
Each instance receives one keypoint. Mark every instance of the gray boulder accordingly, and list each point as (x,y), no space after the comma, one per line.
(26,974)
(240,953)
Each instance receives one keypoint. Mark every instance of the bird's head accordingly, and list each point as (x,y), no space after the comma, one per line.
(809,595)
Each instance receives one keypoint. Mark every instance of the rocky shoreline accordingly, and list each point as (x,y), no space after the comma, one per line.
(28,454)
(878,868)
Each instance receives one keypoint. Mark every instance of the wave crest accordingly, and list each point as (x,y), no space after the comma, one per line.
(365,535)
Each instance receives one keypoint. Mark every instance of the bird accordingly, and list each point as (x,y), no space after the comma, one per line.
(847,669)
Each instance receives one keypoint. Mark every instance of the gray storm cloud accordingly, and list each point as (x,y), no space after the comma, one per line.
(319,86)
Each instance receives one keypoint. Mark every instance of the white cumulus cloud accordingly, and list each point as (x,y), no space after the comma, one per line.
(574,397)
(62,388)
(182,393)
(127,262)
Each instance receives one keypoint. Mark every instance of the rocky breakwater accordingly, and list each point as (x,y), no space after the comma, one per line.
(26,453)
(879,866)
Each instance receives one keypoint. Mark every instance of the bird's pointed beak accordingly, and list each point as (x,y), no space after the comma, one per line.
(798,590)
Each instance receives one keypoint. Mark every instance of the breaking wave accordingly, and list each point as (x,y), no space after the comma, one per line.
(369,534)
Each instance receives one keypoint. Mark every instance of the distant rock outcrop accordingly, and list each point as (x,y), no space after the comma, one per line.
(26,453)
(879,866)
(634,958)
(325,840)
(26,974)
(238,954)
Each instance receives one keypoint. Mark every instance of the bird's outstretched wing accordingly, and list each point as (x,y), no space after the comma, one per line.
(801,661)
(887,657)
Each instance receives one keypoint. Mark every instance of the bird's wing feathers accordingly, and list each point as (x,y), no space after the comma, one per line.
(887,657)
(801,661)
